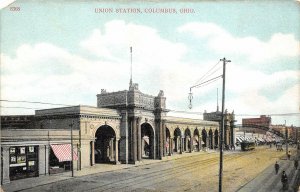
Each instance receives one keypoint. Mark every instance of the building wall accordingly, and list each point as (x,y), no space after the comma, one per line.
(34,137)
(262,120)
(126,112)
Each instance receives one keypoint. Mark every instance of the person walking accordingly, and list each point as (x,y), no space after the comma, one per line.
(276,167)
(284,181)
(289,155)
(296,164)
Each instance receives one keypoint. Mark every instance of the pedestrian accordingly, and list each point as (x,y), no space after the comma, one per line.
(296,164)
(289,155)
(276,167)
(284,180)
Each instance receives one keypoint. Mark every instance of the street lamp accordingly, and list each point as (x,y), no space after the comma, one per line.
(190,97)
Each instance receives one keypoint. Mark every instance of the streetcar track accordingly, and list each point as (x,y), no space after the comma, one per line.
(149,174)
(180,164)
(170,171)
(90,178)
(189,171)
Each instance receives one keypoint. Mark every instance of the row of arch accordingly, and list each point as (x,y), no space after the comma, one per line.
(105,148)
(185,141)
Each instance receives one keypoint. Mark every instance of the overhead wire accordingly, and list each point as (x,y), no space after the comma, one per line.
(35,102)
(207,73)
(20,107)
(176,111)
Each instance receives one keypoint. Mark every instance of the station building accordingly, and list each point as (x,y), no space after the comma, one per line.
(125,127)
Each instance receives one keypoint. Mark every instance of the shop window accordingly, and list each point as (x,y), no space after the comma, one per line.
(23,162)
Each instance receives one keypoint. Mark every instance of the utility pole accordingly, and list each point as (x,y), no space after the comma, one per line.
(286,139)
(190,97)
(222,125)
(72,157)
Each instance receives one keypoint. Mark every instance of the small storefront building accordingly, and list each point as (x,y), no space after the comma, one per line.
(27,153)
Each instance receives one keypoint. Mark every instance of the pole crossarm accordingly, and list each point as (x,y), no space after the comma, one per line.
(261,127)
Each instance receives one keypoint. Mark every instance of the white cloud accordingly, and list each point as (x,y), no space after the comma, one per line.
(114,40)
(5,3)
(218,39)
(45,72)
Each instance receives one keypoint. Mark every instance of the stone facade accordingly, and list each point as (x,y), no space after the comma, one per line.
(229,120)
(125,127)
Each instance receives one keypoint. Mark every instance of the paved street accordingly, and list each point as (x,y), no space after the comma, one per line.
(198,172)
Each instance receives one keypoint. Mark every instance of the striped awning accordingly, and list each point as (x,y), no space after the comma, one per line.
(239,139)
(63,152)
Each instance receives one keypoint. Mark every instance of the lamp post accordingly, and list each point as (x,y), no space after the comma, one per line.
(190,97)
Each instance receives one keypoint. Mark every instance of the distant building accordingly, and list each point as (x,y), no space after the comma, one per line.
(229,119)
(291,130)
(263,120)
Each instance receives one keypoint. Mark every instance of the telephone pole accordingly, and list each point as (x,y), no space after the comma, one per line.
(286,140)
(222,125)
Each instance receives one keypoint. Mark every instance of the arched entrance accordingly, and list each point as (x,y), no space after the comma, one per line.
(147,141)
(187,140)
(204,138)
(196,141)
(216,139)
(177,140)
(105,145)
(210,133)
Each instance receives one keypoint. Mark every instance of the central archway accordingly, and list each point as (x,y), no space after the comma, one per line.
(147,140)
(105,145)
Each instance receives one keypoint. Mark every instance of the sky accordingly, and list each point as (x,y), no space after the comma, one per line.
(65,52)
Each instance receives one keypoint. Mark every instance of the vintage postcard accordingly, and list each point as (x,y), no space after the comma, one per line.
(150,95)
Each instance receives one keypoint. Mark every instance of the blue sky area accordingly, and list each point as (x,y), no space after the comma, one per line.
(64,52)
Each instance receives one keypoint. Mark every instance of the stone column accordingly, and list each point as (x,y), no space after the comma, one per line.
(191,145)
(170,146)
(93,152)
(125,138)
(181,145)
(154,146)
(199,143)
(43,159)
(111,149)
(213,141)
(117,151)
(5,165)
(185,144)
(139,140)
(164,140)
(134,141)
(143,146)
(176,144)
(207,142)
(161,139)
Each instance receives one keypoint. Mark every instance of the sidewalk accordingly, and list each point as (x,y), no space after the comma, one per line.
(28,183)
(269,181)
